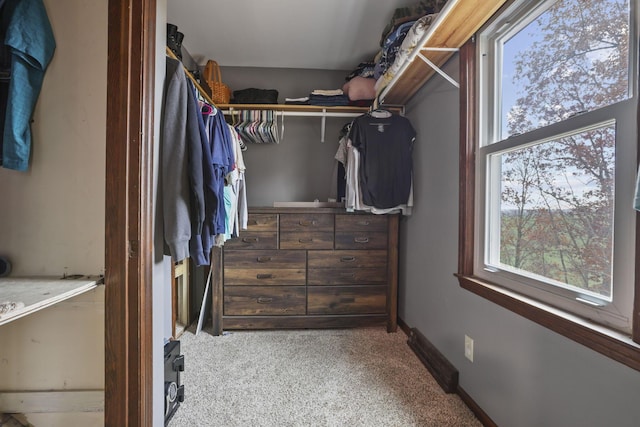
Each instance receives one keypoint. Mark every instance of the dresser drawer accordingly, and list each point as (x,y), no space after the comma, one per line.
(264,300)
(347,300)
(253,240)
(265,276)
(261,259)
(347,268)
(346,276)
(255,268)
(306,222)
(347,259)
(306,240)
(361,240)
(262,222)
(361,223)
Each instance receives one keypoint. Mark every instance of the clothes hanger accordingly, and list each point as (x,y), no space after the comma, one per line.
(273,127)
(281,136)
(380,113)
(206,108)
(262,131)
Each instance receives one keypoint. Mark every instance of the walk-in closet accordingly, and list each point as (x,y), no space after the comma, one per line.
(314,302)
(324,150)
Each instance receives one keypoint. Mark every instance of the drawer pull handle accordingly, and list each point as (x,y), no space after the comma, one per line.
(264,276)
(364,223)
(262,300)
(264,259)
(259,221)
(305,240)
(361,239)
(250,239)
(347,259)
(307,223)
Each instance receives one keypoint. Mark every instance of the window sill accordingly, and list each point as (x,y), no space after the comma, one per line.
(610,343)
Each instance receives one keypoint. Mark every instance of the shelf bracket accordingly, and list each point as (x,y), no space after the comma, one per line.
(323,124)
(434,66)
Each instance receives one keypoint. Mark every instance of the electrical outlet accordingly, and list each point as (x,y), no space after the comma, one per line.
(468,348)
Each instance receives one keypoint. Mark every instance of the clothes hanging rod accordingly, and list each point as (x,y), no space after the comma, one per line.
(322,114)
(199,88)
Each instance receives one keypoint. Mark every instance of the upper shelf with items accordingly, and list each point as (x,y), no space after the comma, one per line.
(291,109)
(294,108)
(456,23)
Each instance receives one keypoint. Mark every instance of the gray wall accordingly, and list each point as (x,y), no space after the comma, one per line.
(299,168)
(522,374)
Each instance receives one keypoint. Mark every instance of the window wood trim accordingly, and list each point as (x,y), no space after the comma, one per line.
(625,352)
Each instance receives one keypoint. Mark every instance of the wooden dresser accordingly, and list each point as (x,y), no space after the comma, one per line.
(308,268)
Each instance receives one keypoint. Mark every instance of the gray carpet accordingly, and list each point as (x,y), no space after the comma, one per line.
(346,377)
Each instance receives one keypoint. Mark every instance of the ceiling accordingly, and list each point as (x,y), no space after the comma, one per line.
(314,34)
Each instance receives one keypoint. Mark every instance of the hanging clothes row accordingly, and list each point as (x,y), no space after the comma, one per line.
(202,184)
(259,126)
(375,152)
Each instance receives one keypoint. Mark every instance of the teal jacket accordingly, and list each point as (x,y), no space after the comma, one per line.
(29,37)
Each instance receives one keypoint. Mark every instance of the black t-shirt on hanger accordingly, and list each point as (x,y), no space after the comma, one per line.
(385,143)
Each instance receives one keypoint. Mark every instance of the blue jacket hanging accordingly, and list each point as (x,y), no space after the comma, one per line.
(27,33)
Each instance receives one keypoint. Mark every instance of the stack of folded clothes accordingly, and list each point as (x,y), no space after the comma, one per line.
(331,97)
(297,101)
(399,39)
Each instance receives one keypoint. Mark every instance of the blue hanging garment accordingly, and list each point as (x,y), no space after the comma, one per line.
(26,32)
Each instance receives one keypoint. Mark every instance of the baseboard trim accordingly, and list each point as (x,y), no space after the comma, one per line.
(402,325)
(442,370)
(476,409)
(425,351)
(27,402)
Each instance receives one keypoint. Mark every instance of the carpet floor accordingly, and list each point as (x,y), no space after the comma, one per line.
(345,377)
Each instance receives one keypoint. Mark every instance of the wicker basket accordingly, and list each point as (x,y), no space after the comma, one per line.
(220,92)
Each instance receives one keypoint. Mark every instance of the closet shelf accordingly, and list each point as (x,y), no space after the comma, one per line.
(295,108)
(32,294)
(456,23)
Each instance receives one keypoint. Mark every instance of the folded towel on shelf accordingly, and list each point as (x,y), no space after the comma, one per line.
(327,92)
(303,100)
(328,101)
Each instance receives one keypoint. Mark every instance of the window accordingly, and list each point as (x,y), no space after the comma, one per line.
(555,145)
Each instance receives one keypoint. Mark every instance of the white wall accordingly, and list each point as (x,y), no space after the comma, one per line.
(52,216)
(56,349)
(52,220)
(522,374)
